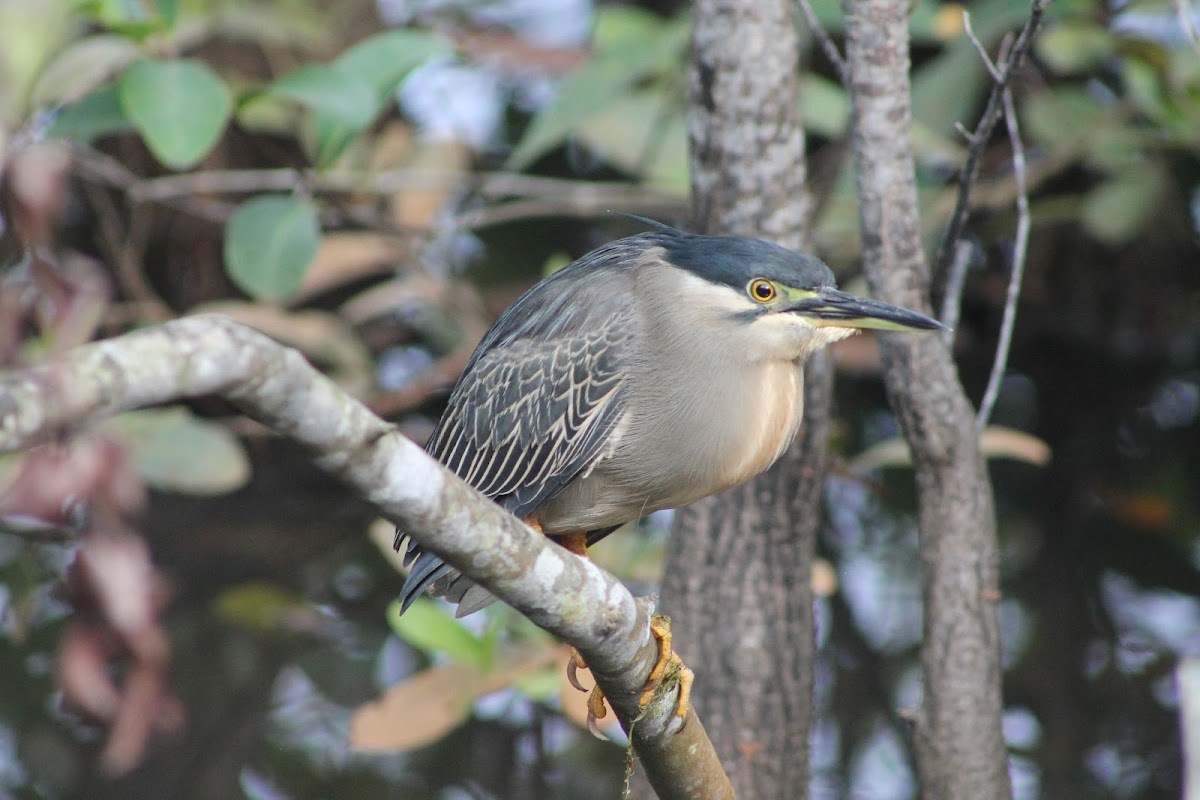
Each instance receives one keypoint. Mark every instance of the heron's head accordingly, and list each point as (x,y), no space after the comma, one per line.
(778,293)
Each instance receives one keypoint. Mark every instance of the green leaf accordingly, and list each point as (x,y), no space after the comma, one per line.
(541,685)
(1074,47)
(602,82)
(262,606)
(175,451)
(1118,210)
(1113,147)
(81,67)
(931,22)
(94,116)
(829,14)
(179,107)
(136,19)
(383,60)
(332,137)
(168,12)
(824,104)
(347,96)
(1144,88)
(431,629)
(643,134)
(298,27)
(946,88)
(1063,118)
(269,243)
(617,25)
(341,95)
(30,34)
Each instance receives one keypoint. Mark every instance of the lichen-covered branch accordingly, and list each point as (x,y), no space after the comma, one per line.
(566,595)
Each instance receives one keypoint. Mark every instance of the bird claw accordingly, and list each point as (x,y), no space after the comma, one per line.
(575,664)
(595,701)
(594,728)
(596,711)
(668,664)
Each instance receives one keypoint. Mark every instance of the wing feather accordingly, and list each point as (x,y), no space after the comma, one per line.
(529,418)
(538,401)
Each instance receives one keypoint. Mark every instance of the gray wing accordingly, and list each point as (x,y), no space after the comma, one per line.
(533,410)
(531,417)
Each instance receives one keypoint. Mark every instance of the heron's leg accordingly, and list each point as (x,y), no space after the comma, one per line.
(576,542)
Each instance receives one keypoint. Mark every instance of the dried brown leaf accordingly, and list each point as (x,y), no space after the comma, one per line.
(350,256)
(54,481)
(994,442)
(118,597)
(418,208)
(35,191)
(434,702)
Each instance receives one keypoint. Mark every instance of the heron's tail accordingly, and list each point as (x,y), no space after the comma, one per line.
(427,571)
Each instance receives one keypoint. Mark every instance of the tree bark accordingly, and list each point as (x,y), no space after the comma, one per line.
(737,581)
(959,744)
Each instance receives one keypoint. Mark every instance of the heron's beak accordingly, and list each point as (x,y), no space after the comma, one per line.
(827,307)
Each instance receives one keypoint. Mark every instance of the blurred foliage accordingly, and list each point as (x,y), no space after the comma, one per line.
(429,629)
(374,195)
(174,451)
(264,241)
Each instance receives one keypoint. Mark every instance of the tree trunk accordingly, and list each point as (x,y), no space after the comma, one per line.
(737,582)
(959,744)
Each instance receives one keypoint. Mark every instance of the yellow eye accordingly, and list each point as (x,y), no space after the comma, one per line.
(761,290)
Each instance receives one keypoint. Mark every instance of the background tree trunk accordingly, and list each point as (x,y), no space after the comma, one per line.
(737,579)
(959,744)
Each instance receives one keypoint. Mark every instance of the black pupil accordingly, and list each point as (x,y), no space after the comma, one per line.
(763,291)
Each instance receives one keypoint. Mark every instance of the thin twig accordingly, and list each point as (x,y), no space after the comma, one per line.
(124,247)
(537,196)
(494,184)
(828,46)
(979,48)
(1020,245)
(983,130)
(952,302)
(500,213)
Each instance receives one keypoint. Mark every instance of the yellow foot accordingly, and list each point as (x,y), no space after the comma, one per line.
(668,664)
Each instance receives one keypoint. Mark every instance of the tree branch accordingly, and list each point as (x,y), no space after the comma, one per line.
(540,196)
(566,595)
(958,738)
